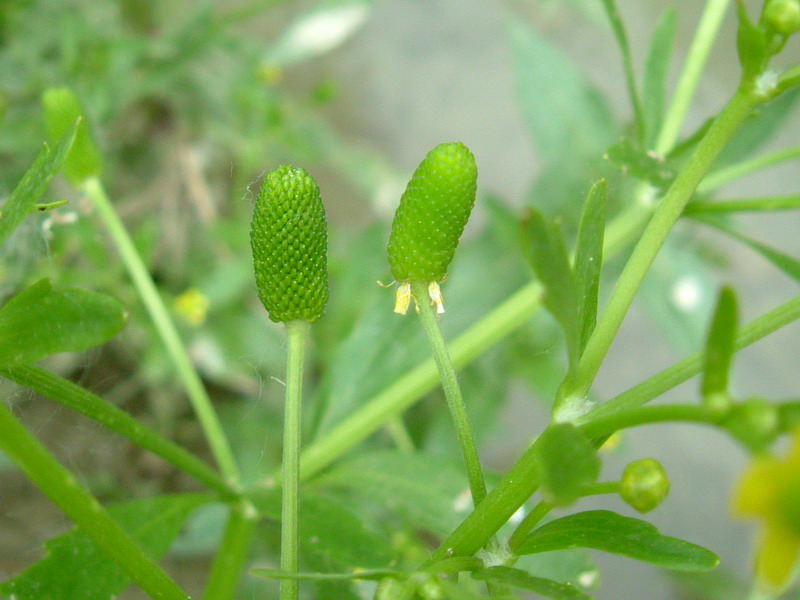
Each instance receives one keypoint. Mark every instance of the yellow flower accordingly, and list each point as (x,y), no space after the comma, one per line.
(192,305)
(770,491)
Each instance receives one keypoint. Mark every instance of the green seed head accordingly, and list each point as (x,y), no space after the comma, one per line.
(783,16)
(432,214)
(289,241)
(644,484)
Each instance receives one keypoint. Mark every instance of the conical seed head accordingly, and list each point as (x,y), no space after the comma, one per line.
(289,239)
(432,214)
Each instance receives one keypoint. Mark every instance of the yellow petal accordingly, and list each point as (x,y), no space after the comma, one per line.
(777,555)
(758,488)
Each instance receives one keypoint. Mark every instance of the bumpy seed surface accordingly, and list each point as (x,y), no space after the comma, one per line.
(289,239)
(432,214)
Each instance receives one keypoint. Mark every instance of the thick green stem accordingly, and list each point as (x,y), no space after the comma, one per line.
(83,401)
(166,330)
(297,332)
(61,487)
(232,553)
(603,426)
(655,234)
(452,392)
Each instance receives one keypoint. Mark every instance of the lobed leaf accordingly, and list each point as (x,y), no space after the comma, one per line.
(75,568)
(38,322)
(610,532)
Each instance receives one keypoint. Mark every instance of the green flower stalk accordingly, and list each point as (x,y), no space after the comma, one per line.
(289,240)
(430,219)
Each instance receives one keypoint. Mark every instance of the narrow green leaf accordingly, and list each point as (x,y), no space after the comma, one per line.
(526,581)
(621,36)
(589,259)
(565,460)
(720,345)
(432,494)
(610,532)
(656,69)
(38,322)
(75,568)
(328,528)
(767,204)
(35,182)
(566,115)
(366,574)
(751,44)
(61,110)
(788,264)
(544,247)
(319,30)
(631,159)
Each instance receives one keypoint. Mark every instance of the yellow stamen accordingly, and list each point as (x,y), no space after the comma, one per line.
(402,298)
(435,294)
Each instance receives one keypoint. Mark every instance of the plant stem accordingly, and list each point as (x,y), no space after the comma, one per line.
(201,403)
(83,401)
(400,436)
(667,213)
(232,552)
(765,204)
(452,392)
(645,415)
(704,38)
(61,487)
(297,332)
(722,176)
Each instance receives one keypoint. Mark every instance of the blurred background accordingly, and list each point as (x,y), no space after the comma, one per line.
(192,103)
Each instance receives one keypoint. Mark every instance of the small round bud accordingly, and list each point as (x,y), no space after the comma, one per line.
(289,239)
(783,16)
(644,484)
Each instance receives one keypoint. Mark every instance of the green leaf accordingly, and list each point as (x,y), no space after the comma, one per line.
(544,248)
(328,528)
(721,344)
(35,182)
(61,110)
(621,36)
(566,115)
(565,460)
(318,31)
(589,259)
(38,322)
(521,579)
(656,68)
(610,532)
(787,264)
(631,159)
(751,44)
(431,491)
(75,568)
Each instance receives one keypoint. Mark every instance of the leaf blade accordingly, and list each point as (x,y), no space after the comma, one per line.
(607,531)
(565,460)
(526,581)
(720,345)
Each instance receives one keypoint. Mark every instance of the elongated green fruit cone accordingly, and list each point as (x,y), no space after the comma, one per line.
(431,217)
(289,238)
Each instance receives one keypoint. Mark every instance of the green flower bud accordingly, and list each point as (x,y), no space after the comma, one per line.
(431,217)
(289,239)
(644,484)
(783,16)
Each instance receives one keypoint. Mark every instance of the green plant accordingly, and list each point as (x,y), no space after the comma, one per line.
(349,514)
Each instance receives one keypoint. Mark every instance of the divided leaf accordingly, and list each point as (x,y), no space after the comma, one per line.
(565,460)
(720,345)
(526,581)
(610,532)
(38,322)
(35,182)
(631,159)
(589,259)
(75,568)
(544,248)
